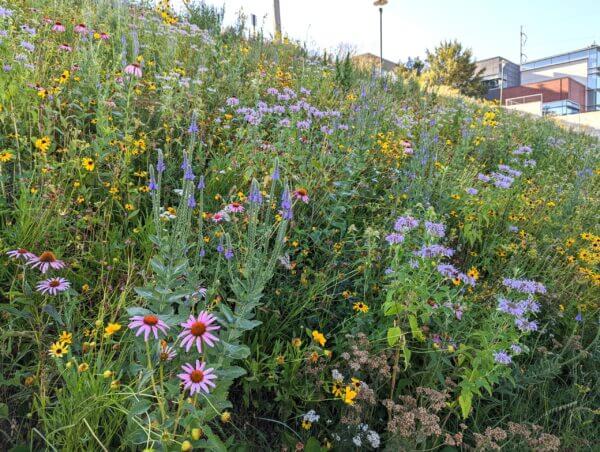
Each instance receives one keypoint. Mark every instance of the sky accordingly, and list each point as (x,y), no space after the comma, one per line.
(489,28)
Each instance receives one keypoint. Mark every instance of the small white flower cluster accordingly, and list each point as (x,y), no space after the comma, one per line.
(371,436)
(311,417)
(336,375)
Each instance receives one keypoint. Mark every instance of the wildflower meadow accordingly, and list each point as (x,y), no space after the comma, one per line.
(215,240)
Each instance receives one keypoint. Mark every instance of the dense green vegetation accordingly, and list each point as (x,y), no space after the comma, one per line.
(211,241)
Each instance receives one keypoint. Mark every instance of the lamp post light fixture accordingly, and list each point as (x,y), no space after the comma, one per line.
(380,4)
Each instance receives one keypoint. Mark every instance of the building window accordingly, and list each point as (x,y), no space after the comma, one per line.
(560,108)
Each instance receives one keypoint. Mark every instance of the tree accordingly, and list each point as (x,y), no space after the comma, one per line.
(451,65)
(413,66)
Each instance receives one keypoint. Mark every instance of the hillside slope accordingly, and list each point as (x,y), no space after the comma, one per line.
(210,241)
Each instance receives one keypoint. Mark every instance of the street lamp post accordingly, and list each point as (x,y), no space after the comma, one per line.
(380,4)
(502,64)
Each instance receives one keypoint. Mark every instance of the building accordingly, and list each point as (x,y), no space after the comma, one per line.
(559,96)
(492,73)
(582,66)
(370,61)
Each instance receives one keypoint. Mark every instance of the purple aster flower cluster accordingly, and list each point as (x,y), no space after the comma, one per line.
(472,191)
(431,251)
(435,229)
(289,103)
(523,150)
(451,272)
(394,238)
(524,286)
(501,357)
(404,224)
(508,170)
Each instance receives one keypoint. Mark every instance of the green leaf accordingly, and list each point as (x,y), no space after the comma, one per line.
(140,407)
(146,294)
(52,312)
(235,351)
(138,311)
(393,335)
(414,328)
(246,325)
(158,266)
(312,445)
(3,410)
(231,373)
(465,399)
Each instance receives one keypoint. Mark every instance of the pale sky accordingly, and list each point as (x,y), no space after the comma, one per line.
(490,28)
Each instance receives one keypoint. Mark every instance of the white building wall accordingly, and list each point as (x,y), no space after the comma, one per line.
(577,70)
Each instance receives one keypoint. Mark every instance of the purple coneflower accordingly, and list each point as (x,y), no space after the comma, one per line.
(81,29)
(46,261)
(58,27)
(220,216)
(235,207)
(21,253)
(134,69)
(53,286)
(197,330)
(302,195)
(197,378)
(65,48)
(149,323)
(165,352)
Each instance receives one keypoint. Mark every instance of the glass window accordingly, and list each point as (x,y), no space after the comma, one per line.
(560,59)
(579,55)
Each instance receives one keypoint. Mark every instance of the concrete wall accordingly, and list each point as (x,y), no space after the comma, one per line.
(577,70)
(587,122)
(532,108)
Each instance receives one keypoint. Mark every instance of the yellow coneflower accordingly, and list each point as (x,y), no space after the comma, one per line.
(111,329)
(83,367)
(225,417)
(280,360)
(337,389)
(88,164)
(359,306)
(66,337)
(42,144)
(297,342)
(473,273)
(349,395)
(58,349)
(319,338)
(6,156)
(306,425)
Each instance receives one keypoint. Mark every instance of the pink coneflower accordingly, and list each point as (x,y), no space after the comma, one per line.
(45,262)
(58,27)
(65,48)
(21,253)
(220,216)
(104,36)
(81,29)
(166,353)
(302,195)
(149,323)
(134,69)
(198,378)
(53,286)
(198,330)
(235,207)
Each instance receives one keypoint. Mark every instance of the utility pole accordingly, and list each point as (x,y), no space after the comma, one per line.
(523,40)
(278,35)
